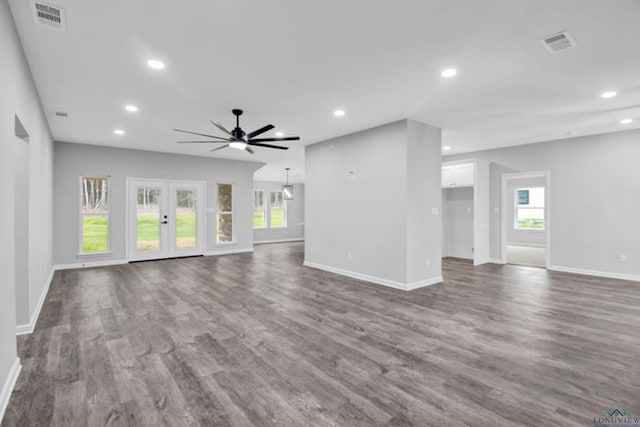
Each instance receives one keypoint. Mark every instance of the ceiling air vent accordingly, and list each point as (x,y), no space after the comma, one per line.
(559,41)
(49,15)
(62,114)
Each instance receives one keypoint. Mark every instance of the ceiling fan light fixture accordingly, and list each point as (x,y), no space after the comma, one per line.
(238,145)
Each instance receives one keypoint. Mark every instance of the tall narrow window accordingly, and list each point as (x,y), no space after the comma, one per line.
(94,214)
(224,229)
(259,209)
(278,210)
(529,208)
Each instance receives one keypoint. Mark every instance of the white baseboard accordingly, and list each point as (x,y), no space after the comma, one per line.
(596,273)
(263,242)
(527,245)
(29,327)
(376,280)
(9,384)
(89,264)
(496,261)
(228,251)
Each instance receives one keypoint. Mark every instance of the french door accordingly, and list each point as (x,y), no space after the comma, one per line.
(165,219)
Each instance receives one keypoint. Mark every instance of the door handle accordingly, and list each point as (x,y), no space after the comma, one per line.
(164,222)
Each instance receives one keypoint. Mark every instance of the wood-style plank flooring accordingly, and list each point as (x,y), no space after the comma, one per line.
(258,339)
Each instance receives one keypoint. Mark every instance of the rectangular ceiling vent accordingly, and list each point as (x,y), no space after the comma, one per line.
(49,15)
(558,42)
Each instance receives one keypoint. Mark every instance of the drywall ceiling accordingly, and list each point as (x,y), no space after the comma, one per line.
(292,63)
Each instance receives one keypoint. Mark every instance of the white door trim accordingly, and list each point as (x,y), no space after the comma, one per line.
(547,210)
(170,185)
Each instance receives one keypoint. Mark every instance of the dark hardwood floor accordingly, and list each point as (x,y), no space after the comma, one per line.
(258,339)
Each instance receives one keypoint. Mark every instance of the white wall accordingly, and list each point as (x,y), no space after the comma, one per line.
(74,160)
(370,195)
(424,177)
(19,97)
(514,235)
(595,198)
(295,214)
(457,222)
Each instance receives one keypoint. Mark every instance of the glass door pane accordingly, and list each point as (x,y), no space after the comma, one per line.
(186,218)
(148,219)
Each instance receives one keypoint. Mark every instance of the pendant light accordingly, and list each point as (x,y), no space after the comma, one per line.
(287,189)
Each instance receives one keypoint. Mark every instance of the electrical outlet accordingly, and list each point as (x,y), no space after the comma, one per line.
(428,262)
(349,256)
(468,210)
(623,257)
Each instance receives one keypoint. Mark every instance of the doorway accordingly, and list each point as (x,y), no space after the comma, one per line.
(525,219)
(165,219)
(21,222)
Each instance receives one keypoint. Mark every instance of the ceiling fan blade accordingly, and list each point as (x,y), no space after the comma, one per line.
(267,145)
(201,142)
(260,131)
(201,134)
(222,128)
(221,147)
(284,138)
(248,150)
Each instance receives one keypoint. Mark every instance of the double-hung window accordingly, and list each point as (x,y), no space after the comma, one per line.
(529,208)
(94,214)
(278,210)
(224,217)
(259,209)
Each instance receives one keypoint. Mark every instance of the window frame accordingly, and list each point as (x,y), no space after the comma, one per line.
(232,213)
(265,222)
(81,251)
(284,207)
(517,207)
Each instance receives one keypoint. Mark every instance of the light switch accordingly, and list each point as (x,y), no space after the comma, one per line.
(435,211)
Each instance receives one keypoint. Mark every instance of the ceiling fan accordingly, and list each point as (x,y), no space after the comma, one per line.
(237,138)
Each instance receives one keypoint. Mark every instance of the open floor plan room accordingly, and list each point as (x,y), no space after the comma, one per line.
(235,341)
(331,213)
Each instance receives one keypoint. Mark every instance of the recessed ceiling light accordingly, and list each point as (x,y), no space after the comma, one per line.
(238,145)
(449,72)
(118,132)
(155,64)
(339,113)
(131,108)
(446,147)
(608,94)
(279,134)
(626,121)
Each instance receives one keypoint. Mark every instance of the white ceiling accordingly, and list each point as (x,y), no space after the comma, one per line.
(292,63)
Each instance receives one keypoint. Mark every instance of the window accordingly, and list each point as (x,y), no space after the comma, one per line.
(278,210)
(259,209)
(529,208)
(94,214)
(224,220)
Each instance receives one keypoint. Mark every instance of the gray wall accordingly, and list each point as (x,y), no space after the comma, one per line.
(522,237)
(595,198)
(19,97)
(457,222)
(357,202)
(295,214)
(74,160)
